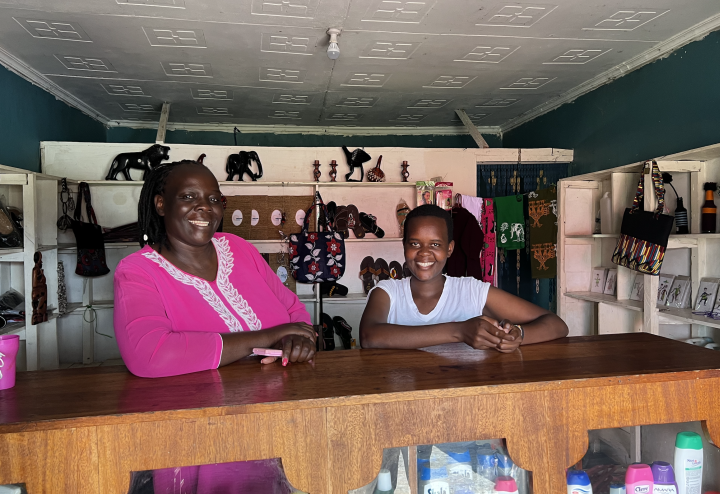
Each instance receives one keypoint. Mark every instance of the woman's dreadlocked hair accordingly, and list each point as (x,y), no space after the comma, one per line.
(150,223)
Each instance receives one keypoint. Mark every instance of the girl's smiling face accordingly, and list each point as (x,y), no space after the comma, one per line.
(427,247)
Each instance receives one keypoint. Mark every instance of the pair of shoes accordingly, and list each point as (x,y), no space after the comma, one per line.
(344,331)
(369,224)
(348,218)
(327,332)
(333,288)
(332,211)
(371,269)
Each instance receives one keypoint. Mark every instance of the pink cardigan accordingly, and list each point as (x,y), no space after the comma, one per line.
(168,322)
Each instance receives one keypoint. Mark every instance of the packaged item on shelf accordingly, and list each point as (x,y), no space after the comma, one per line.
(578,482)
(443,195)
(434,481)
(664,284)
(425,192)
(639,479)
(597,283)
(487,464)
(680,292)
(617,489)
(460,464)
(708,215)
(688,462)
(637,292)
(707,292)
(606,216)
(610,282)
(506,485)
(663,478)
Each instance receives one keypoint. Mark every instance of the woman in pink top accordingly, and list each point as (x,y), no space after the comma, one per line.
(192,299)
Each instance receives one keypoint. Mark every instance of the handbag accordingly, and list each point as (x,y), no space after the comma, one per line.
(316,257)
(89,238)
(644,234)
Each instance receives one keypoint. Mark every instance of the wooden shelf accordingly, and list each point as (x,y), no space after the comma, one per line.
(11,255)
(19,327)
(78,307)
(606,299)
(685,316)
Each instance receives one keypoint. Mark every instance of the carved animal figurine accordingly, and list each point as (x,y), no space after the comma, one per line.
(39,292)
(316,171)
(376,174)
(239,164)
(405,173)
(201,159)
(144,160)
(355,159)
(333,170)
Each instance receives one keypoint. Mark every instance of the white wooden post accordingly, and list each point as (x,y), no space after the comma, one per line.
(88,328)
(162,126)
(476,135)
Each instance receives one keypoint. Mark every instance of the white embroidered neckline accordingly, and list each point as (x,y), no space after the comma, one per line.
(225,265)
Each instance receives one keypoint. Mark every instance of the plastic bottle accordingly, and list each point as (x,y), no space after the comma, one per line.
(505,485)
(460,464)
(606,218)
(434,481)
(617,489)
(384,482)
(688,463)
(578,482)
(504,465)
(708,216)
(663,478)
(681,218)
(639,479)
(487,464)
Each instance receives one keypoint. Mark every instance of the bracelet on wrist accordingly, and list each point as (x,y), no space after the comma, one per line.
(522,331)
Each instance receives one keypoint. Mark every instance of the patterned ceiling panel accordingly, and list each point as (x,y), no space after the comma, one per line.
(263,62)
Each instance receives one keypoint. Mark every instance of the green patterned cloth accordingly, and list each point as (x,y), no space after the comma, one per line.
(542,209)
(510,222)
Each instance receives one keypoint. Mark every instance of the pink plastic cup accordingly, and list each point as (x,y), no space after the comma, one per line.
(9,345)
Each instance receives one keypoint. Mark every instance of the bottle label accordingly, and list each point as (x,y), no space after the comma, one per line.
(642,489)
(664,489)
(461,470)
(693,476)
(436,487)
(579,490)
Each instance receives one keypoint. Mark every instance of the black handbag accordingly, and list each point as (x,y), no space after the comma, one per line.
(316,257)
(644,234)
(89,238)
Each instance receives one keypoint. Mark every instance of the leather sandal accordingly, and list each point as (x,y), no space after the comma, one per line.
(327,332)
(333,289)
(343,330)
(401,212)
(382,271)
(353,222)
(396,271)
(341,221)
(367,270)
(369,223)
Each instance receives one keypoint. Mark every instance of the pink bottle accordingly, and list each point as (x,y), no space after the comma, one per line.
(639,479)
(505,485)
(9,344)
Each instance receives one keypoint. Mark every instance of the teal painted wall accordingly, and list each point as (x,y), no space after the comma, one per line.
(29,115)
(123,134)
(666,107)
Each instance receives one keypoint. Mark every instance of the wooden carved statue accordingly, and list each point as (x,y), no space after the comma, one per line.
(376,174)
(39,292)
(316,171)
(239,164)
(355,159)
(333,170)
(144,160)
(405,173)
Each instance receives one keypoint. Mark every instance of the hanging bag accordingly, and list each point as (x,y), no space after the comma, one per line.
(644,234)
(89,238)
(316,257)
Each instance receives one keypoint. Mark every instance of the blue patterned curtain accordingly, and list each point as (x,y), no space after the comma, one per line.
(509,179)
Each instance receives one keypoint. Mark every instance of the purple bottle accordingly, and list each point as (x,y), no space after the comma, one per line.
(663,478)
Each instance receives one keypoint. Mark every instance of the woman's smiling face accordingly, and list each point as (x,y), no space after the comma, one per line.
(427,247)
(191,205)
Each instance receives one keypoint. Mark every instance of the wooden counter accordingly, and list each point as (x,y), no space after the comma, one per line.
(85,430)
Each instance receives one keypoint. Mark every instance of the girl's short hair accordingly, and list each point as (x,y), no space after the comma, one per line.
(432,211)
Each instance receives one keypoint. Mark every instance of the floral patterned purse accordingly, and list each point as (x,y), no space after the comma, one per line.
(316,257)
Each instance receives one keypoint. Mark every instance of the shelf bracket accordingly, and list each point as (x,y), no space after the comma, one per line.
(472,129)
(162,126)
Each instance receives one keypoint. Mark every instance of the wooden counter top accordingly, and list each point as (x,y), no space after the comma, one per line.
(82,397)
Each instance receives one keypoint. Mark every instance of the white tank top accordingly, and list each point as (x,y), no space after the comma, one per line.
(461,299)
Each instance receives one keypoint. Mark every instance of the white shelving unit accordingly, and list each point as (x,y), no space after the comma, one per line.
(286,172)
(580,250)
(34,194)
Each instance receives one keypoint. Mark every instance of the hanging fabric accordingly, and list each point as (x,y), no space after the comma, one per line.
(510,222)
(489,251)
(474,205)
(542,210)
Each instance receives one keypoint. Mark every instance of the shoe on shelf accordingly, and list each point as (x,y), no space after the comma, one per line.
(396,271)
(333,289)
(369,223)
(353,222)
(367,270)
(343,330)
(382,271)
(327,332)
(341,221)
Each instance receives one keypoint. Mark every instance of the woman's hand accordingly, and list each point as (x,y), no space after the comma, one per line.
(513,337)
(296,340)
(481,333)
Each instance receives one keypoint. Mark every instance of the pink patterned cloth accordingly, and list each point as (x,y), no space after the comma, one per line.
(168,322)
(487,256)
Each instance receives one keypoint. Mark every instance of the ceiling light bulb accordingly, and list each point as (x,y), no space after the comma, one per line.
(333,51)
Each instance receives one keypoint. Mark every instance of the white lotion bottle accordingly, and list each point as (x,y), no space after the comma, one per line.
(606,226)
(688,463)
